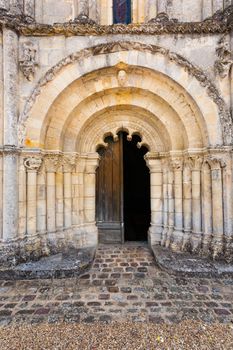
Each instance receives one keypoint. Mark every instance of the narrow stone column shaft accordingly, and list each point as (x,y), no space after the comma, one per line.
(165,203)
(67,200)
(170,193)
(31,203)
(51,202)
(156,185)
(41,201)
(59,199)
(187,203)
(207,209)
(177,236)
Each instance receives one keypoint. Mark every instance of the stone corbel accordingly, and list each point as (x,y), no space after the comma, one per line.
(28,59)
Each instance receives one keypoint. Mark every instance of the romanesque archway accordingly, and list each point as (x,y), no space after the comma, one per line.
(142,89)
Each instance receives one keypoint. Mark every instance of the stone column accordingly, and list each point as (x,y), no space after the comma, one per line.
(89,188)
(1,193)
(156,178)
(228,207)
(165,202)
(52,162)
(59,198)
(41,200)
(68,166)
(32,165)
(10,162)
(217,205)
(177,237)
(91,233)
(80,171)
(75,197)
(22,227)
(196,236)
(207,208)
(187,203)
(170,193)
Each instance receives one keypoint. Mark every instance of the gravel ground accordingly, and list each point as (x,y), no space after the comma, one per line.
(188,335)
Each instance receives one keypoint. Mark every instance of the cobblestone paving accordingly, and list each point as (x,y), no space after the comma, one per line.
(123,284)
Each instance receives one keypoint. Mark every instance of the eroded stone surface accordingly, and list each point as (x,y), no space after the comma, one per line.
(123,284)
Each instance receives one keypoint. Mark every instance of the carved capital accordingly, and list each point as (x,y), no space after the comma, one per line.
(52,162)
(177,164)
(33,163)
(153,162)
(92,162)
(69,161)
(196,162)
(216,163)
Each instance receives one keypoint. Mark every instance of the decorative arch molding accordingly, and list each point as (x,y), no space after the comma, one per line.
(116,47)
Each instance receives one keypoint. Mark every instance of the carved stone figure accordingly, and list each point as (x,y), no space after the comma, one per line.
(28,60)
(225,60)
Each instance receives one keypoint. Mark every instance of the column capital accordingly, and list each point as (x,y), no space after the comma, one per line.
(216,163)
(69,161)
(177,163)
(33,163)
(153,161)
(52,162)
(196,162)
(92,162)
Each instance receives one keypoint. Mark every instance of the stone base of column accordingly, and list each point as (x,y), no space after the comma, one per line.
(186,244)
(176,240)
(154,235)
(164,236)
(196,242)
(217,247)
(169,236)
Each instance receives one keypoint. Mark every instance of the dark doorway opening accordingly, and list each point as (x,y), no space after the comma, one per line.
(122,191)
(136,193)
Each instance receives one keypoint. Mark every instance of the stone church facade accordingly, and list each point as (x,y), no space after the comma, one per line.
(70,76)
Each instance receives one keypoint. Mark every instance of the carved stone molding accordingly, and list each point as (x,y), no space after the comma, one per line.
(33,163)
(224,61)
(28,59)
(220,22)
(212,91)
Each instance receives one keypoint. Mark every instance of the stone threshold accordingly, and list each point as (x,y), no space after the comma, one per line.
(189,265)
(61,265)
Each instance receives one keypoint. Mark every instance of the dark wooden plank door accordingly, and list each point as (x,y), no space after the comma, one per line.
(109,193)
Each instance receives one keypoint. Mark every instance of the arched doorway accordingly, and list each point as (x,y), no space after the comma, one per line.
(122,190)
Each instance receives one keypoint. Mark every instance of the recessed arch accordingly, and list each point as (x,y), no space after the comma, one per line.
(194,92)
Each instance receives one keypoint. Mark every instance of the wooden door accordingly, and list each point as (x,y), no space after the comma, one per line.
(109,192)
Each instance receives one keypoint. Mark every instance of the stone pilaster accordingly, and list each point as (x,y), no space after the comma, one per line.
(177,236)
(156,178)
(216,165)
(32,165)
(187,203)
(10,161)
(196,236)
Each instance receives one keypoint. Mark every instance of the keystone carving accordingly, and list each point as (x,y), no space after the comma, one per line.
(33,163)
(122,78)
(223,63)
(28,60)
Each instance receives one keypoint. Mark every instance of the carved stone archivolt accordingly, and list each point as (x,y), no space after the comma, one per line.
(28,59)
(202,78)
